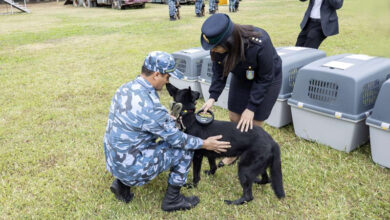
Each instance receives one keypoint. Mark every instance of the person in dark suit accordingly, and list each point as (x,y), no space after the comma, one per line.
(319,22)
(248,54)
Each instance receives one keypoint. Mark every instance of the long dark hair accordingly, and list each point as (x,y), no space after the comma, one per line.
(235,46)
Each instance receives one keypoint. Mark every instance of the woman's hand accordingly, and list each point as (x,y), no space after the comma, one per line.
(246,120)
(207,105)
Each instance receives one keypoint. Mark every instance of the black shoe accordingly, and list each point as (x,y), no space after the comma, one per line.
(194,200)
(174,201)
(198,15)
(212,12)
(172,18)
(121,191)
(221,164)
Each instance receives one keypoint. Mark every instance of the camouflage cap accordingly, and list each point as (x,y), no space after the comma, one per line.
(162,62)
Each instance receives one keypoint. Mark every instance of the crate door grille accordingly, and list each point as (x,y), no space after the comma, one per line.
(198,67)
(322,91)
(292,76)
(210,70)
(181,65)
(370,92)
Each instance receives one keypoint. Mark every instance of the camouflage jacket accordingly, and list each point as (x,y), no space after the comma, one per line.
(136,119)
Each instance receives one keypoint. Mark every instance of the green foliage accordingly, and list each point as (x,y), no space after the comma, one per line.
(60,66)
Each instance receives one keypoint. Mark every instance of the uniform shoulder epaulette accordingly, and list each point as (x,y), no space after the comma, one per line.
(256,40)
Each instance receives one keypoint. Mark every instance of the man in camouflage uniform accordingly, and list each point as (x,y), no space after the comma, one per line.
(172,9)
(212,6)
(136,119)
(233,5)
(198,8)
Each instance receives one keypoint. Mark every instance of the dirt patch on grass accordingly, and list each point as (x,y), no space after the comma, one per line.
(48,162)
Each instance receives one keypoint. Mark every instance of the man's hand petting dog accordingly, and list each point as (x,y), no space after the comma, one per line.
(212,143)
(246,121)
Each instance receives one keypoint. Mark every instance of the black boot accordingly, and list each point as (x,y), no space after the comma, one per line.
(121,191)
(174,201)
(172,18)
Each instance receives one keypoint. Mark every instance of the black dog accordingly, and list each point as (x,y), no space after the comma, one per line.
(256,148)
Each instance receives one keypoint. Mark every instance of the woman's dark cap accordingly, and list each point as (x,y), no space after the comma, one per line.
(215,30)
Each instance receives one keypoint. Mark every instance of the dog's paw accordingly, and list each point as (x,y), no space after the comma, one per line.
(239,201)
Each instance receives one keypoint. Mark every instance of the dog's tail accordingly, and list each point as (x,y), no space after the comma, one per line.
(276,172)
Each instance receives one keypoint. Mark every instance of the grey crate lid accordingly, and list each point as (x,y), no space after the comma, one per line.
(294,58)
(345,86)
(189,61)
(207,72)
(381,113)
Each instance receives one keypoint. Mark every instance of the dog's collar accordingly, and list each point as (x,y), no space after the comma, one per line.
(179,119)
(186,111)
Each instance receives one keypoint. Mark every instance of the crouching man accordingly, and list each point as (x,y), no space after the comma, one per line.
(136,119)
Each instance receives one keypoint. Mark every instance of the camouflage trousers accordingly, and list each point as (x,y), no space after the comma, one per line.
(232,5)
(156,159)
(198,6)
(212,5)
(172,7)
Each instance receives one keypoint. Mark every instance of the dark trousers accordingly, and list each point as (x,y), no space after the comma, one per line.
(311,35)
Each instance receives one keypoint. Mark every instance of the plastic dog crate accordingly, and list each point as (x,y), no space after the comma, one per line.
(379,124)
(293,58)
(189,62)
(333,96)
(205,82)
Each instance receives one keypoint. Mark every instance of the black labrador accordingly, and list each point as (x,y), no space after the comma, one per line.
(256,148)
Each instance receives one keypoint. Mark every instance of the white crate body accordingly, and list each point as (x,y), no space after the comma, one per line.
(379,123)
(380,146)
(280,114)
(339,134)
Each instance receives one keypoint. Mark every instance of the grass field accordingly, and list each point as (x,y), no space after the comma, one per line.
(60,66)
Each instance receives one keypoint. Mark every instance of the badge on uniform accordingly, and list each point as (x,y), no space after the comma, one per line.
(250,74)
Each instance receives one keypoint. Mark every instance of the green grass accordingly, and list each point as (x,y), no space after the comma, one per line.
(60,66)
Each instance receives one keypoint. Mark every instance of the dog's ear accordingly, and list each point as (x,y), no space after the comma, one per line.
(195,96)
(172,90)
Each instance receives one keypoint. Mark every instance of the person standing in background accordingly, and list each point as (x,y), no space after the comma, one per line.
(172,9)
(199,8)
(319,22)
(233,5)
(213,6)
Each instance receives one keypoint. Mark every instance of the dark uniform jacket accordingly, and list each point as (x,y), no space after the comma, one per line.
(261,57)
(329,19)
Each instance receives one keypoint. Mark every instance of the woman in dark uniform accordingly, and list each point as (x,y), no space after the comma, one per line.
(247,52)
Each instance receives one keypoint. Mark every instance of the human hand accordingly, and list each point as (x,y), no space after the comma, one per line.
(212,143)
(207,105)
(246,120)
(173,117)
